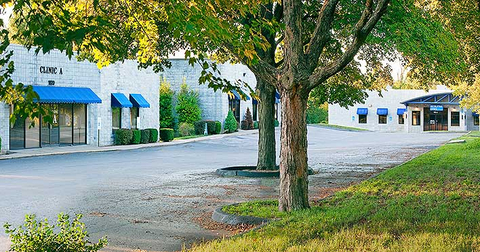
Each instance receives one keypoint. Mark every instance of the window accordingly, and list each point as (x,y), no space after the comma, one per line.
(415,117)
(382,119)
(401,119)
(362,118)
(116,118)
(254,109)
(134,113)
(455,118)
(475,120)
(234,106)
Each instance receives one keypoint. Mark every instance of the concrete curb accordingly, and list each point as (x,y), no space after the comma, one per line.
(220,216)
(250,172)
(72,150)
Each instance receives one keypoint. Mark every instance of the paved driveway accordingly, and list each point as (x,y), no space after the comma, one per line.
(158,199)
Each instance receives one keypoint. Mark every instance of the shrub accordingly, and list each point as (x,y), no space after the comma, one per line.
(316,114)
(123,136)
(145,136)
(153,135)
(200,127)
(244,125)
(0,145)
(166,105)
(230,124)
(186,129)
(218,127)
(277,123)
(255,125)
(167,134)
(65,236)
(187,105)
(136,135)
(248,120)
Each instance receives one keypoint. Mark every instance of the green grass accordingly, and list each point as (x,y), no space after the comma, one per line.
(188,137)
(431,203)
(333,126)
(263,209)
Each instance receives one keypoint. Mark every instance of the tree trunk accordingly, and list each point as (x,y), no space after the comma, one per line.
(293,154)
(266,127)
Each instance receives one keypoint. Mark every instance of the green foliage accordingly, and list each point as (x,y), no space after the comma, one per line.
(166,105)
(218,127)
(276,123)
(247,123)
(123,136)
(187,105)
(317,114)
(153,135)
(186,129)
(145,136)
(428,203)
(255,125)
(136,135)
(65,236)
(230,124)
(167,134)
(200,127)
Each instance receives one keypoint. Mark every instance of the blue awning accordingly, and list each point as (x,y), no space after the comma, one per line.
(382,111)
(139,101)
(401,111)
(51,94)
(234,95)
(277,95)
(119,100)
(475,114)
(362,111)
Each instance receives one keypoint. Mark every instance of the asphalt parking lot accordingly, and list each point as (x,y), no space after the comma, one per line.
(159,199)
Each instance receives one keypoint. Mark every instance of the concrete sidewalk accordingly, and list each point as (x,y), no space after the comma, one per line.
(62,150)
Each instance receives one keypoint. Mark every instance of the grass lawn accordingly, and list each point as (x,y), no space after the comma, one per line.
(333,126)
(430,203)
(188,137)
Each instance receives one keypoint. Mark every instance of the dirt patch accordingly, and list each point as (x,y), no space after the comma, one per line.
(205,220)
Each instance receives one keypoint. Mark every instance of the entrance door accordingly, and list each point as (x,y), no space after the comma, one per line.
(435,120)
(50,131)
(65,121)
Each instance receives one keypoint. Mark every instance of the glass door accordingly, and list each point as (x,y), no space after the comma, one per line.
(50,131)
(65,123)
(79,124)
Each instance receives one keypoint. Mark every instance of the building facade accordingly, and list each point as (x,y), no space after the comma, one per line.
(84,100)
(216,104)
(408,111)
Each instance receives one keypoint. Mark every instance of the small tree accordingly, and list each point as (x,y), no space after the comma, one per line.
(187,105)
(231,124)
(166,105)
(248,118)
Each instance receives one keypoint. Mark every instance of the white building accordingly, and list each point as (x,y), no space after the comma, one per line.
(408,111)
(87,103)
(215,104)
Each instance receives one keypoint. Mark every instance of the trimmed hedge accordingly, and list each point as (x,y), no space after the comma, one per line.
(167,134)
(200,127)
(218,127)
(136,135)
(153,135)
(277,123)
(123,136)
(145,136)
(255,125)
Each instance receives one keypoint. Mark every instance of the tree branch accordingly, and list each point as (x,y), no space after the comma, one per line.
(321,35)
(363,28)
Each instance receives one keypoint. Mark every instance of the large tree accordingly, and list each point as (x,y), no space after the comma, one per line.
(311,43)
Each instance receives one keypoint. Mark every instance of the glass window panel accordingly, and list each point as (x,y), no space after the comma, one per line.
(79,124)
(65,122)
(362,118)
(17,134)
(475,120)
(134,112)
(401,119)
(32,133)
(116,118)
(415,117)
(382,119)
(455,118)
(254,108)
